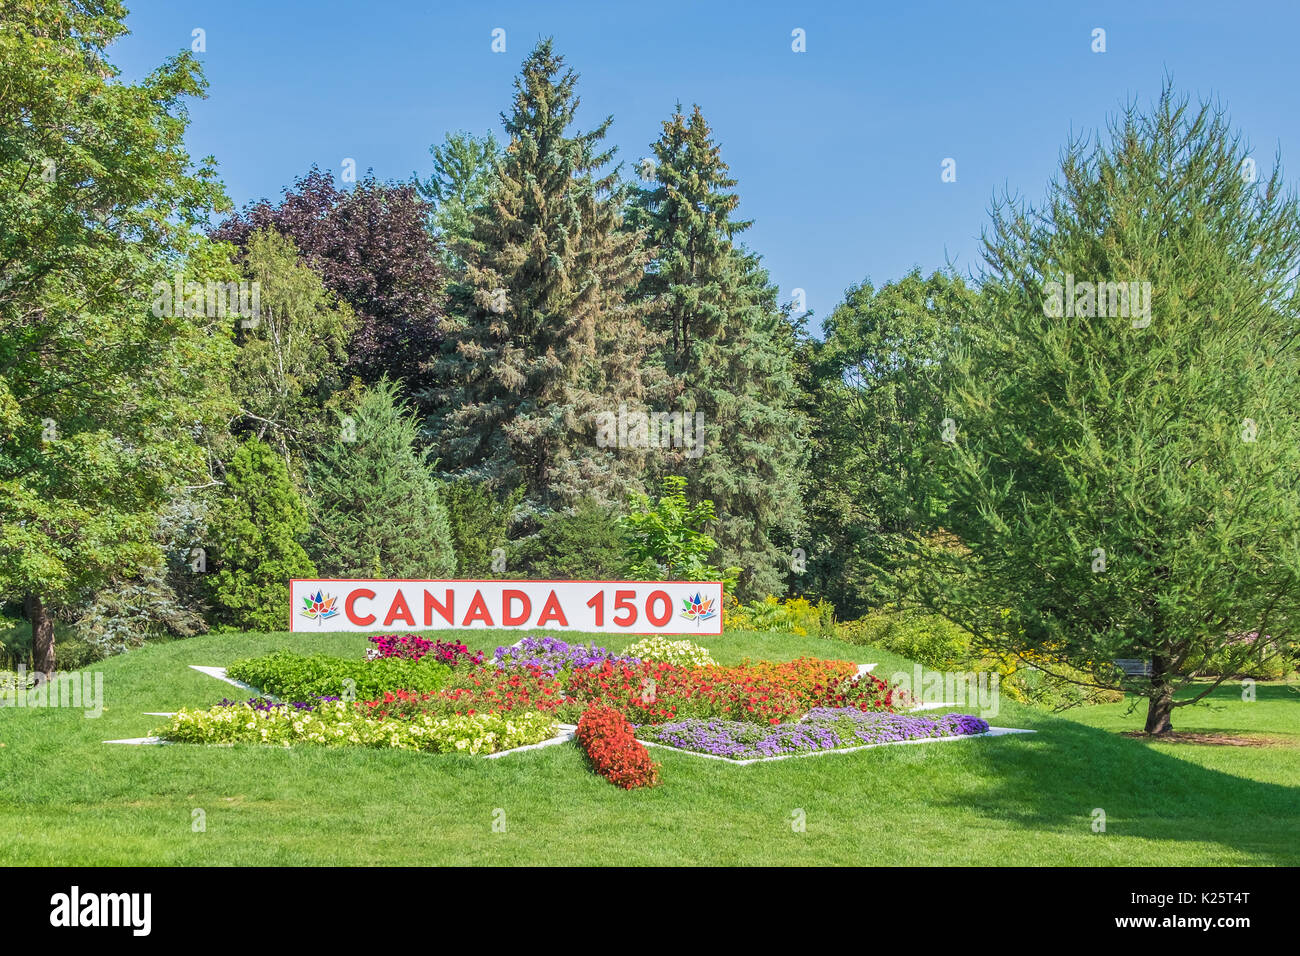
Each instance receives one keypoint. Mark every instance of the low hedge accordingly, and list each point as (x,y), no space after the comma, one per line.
(297,677)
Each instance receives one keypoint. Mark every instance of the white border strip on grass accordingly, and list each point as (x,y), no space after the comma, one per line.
(139,741)
(991,732)
(567,733)
(220,674)
(935,706)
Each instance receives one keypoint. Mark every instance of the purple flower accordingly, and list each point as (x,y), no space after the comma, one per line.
(823,728)
(553,655)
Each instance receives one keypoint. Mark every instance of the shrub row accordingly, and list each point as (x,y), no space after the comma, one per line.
(297,677)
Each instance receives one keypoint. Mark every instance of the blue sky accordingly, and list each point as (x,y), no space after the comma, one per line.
(837,150)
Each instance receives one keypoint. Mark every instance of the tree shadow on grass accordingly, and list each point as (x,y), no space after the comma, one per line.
(1056,780)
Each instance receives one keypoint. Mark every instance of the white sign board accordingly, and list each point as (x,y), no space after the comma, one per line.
(366,605)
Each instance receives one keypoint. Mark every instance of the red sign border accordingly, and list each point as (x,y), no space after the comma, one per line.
(722,591)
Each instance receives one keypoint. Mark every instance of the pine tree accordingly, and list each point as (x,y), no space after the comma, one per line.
(1124,472)
(543,340)
(255,532)
(375,506)
(726,351)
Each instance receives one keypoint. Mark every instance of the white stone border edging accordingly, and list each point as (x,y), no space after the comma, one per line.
(220,674)
(139,741)
(567,732)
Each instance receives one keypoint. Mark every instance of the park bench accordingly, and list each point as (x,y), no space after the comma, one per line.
(1133,667)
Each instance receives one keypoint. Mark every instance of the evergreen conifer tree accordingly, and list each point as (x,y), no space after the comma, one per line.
(543,339)
(727,351)
(375,506)
(1123,477)
(255,531)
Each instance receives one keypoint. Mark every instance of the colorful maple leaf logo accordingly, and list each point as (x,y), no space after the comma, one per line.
(696,609)
(319,606)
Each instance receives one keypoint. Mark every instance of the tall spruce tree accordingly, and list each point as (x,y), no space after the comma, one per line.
(727,351)
(375,507)
(1124,472)
(542,339)
(688,217)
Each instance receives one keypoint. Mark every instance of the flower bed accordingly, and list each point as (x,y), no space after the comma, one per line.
(615,753)
(337,723)
(764,692)
(263,703)
(434,696)
(662,651)
(824,728)
(413,647)
(297,677)
(482,690)
(553,655)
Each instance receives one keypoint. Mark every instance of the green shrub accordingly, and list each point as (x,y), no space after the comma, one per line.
(666,538)
(375,506)
(126,613)
(478,523)
(296,677)
(929,640)
(1028,684)
(74,655)
(585,544)
(255,529)
(938,644)
(1243,659)
(792,616)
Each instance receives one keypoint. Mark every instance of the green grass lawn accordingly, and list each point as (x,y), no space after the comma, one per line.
(66,798)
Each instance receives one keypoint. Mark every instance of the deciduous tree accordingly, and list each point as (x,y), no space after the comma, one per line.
(100,397)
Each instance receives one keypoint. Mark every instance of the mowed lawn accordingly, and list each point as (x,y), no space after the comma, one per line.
(68,798)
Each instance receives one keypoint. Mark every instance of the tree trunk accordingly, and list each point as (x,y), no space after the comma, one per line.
(42,634)
(1160,704)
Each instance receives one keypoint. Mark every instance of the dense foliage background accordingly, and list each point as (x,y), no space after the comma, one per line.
(422,385)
